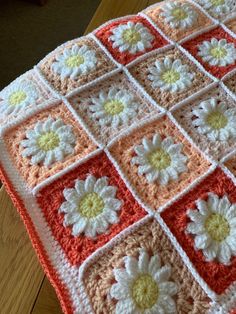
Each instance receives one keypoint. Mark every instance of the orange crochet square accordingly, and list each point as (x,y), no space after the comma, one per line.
(79,248)
(34,174)
(165,98)
(124,57)
(155,194)
(176,34)
(119,83)
(66,85)
(217,275)
(217,33)
(98,277)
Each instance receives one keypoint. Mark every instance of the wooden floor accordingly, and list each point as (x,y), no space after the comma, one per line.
(23,286)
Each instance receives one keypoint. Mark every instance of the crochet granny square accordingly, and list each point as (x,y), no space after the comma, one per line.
(119,151)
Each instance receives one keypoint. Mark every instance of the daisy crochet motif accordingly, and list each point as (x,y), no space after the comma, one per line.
(218,8)
(217,52)
(160,160)
(114,108)
(119,151)
(48,142)
(17,97)
(131,37)
(144,286)
(90,207)
(178,15)
(170,75)
(74,61)
(214,228)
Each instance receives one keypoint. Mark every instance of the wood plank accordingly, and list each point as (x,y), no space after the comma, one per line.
(47,302)
(20,272)
(110,9)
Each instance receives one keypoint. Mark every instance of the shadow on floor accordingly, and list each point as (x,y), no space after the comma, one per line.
(29,31)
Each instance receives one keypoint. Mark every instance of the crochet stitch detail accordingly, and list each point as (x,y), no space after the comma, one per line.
(118,149)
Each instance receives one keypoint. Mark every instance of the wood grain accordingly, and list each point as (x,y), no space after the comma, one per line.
(23,286)
(20,273)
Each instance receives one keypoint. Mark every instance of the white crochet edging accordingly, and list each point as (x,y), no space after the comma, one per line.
(127,183)
(193,97)
(46,182)
(98,80)
(143,91)
(190,187)
(109,245)
(54,252)
(212,295)
(145,16)
(181,129)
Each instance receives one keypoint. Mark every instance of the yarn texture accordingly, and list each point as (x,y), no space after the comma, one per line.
(118,150)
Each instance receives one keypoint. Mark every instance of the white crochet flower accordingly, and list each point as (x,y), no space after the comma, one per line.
(178,15)
(131,37)
(215,120)
(217,8)
(114,108)
(144,286)
(217,52)
(74,61)
(214,228)
(160,160)
(48,142)
(170,75)
(17,97)
(90,207)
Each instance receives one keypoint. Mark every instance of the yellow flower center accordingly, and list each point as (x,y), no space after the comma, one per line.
(170,76)
(48,141)
(216,3)
(218,52)
(74,61)
(114,107)
(216,120)
(179,14)
(217,227)
(159,159)
(91,205)
(145,292)
(17,97)
(131,36)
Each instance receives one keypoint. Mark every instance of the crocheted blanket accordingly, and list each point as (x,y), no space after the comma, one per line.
(119,151)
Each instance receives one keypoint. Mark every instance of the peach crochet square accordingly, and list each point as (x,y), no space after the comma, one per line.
(186,117)
(231,25)
(230,82)
(199,21)
(33,174)
(99,277)
(118,86)
(68,84)
(155,194)
(231,164)
(154,39)
(167,98)
(218,33)
(33,91)
(217,275)
(78,248)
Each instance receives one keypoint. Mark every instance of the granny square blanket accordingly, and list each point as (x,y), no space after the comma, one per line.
(119,151)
